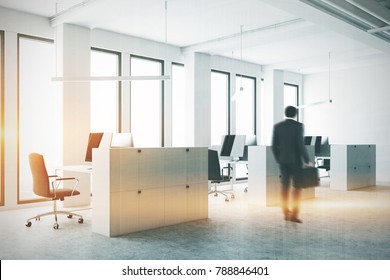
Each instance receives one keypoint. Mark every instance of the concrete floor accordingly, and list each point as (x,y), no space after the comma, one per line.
(337,225)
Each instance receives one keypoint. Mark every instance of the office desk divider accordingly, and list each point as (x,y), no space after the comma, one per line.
(143,188)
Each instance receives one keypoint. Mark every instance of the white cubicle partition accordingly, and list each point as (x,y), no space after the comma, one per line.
(142,188)
(263,180)
(352,166)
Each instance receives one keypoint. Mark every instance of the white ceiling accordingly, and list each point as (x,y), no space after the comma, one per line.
(283,34)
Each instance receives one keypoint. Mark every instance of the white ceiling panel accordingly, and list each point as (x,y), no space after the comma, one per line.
(295,35)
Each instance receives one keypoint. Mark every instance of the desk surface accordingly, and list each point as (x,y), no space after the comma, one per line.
(84,168)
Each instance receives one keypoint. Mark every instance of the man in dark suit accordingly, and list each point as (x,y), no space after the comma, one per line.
(290,153)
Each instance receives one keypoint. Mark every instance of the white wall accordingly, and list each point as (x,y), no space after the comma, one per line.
(359,113)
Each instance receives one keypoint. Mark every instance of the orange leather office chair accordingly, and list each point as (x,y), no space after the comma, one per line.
(41,187)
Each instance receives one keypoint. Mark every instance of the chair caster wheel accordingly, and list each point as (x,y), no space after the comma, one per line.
(69,216)
(227,199)
(55,226)
(28,224)
(81,220)
(215,194)
(232,196)
(37,219)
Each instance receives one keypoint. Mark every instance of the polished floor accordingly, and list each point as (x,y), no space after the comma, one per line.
(337,225)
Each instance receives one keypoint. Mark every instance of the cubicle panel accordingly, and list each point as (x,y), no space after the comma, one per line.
(124,209)
(101,211)
(197,165)
(151,208)
(353,166)
(197,207)
(175,204)
(115,170)
(128,168)
(175,169)
(128,215)
(151,167)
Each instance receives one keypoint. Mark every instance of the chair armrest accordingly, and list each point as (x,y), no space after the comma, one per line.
(57,181)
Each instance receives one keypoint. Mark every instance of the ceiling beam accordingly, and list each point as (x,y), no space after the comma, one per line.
(250,37)
(303,10)
(63,16)
(373,8)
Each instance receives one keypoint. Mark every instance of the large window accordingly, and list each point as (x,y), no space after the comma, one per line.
(105,99)
(245,105)
(219,106)
(245,100)
(179,102)
(146,110)
(39,110)
(291,95)
(1,118)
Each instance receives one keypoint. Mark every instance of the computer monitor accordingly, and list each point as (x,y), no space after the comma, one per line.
(122,140)
(250,140)
(324,149)
(233,146)
(320,143)
(93,142)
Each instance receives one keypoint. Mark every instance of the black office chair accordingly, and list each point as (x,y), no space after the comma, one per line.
(324,163)
(216,175)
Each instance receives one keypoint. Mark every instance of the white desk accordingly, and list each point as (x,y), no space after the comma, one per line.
(84,175)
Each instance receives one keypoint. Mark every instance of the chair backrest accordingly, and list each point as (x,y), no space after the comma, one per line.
(41,184)
(214,167)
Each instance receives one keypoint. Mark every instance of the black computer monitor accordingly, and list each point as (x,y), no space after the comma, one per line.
(233,146)
(227,144)
(250,140)
(324,148)
(320,143)
(93,142)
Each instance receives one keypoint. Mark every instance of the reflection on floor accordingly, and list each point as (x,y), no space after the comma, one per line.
(336,225)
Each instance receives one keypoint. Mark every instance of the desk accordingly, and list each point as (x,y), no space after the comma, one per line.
(143,188)
(263,181)
(352,166)
(84,175)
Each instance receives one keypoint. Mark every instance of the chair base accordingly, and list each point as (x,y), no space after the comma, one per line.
(55,213)
(225,193)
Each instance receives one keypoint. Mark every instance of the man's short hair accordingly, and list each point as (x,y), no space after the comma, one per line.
(290,112)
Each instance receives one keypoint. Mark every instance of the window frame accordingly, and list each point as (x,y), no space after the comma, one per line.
(297,92)
(119,92)
(2,106)
(254,128)
(162,99)
(176,64)
(228,100)
(30,200)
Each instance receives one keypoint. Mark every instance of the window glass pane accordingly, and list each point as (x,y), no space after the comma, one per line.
(146,103)
(104,94)
(245,114)
(219,106)
(245,117)
(40,110)
(1,118)
(290,95)
(178,106)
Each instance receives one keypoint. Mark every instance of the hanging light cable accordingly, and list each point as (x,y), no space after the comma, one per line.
(241,89)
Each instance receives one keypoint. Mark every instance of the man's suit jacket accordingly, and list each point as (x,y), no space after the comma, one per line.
(287,143)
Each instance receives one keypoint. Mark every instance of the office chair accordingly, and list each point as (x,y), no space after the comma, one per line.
(216,175)
(41,187)
(324,163)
